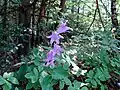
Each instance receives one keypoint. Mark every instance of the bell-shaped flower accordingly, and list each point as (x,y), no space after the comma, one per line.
(63,28)
(50,58)
(57,49)
(55,37)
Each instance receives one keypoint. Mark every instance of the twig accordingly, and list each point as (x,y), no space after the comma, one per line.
(87,5)
(97,8)
(21,63)
(100,17)
(93,20)
(28,63)
(106,8)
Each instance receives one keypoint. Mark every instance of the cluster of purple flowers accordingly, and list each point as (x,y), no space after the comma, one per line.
(55,41)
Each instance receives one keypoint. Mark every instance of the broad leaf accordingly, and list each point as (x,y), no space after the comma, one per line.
(61,86)
(29,85)
(84,88)
(16,88)
(2,80)
(76,84)
(6,87)
(35,72)
(13,80)
(29,75)
(94,83)
(60,70)
(71,88)
(90,74)
(46,81)
(40,68)
(67,81)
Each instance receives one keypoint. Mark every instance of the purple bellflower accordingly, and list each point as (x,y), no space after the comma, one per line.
(63,28)
(57,49)
(55,37)
(50,58)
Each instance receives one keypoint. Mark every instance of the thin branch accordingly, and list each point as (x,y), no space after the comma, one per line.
(100,17)
(93,20)
(87,5)
(105,8)
(97,8)
(21,63)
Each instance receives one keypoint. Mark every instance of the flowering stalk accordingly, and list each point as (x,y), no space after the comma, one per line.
(55,41)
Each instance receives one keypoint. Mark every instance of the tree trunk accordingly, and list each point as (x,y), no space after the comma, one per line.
(25,19)
(114,14)
(25,15)
(115,26)
(5,14)
(42,14)
(62,5)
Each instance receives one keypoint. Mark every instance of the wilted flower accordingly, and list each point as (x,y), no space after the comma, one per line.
(54,37)
(63,28)
(57,49)
(50,58)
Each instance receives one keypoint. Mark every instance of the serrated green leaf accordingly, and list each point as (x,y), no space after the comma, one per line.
(37,61)
(8,84)
(35,72)
(21,72)
(50,88)
(117,72)
(84,88)
(57,76)
(30,68)
(66,66)
(13,80)
(98,81)
(102,87)
(16,88)
(29,85)
(33,75)
(106,73)
(93,82)
(112,63)
(90,73)
(6,87)
(117,64)
(61,86)
(2,80)
(60,70)
(40,68)
(102,77)
(98,73)
(67,81)
(29,75)
(76,84)
(34,79)
(88,80)
(71,88)
(35,51)
(46,81)
(36,85)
